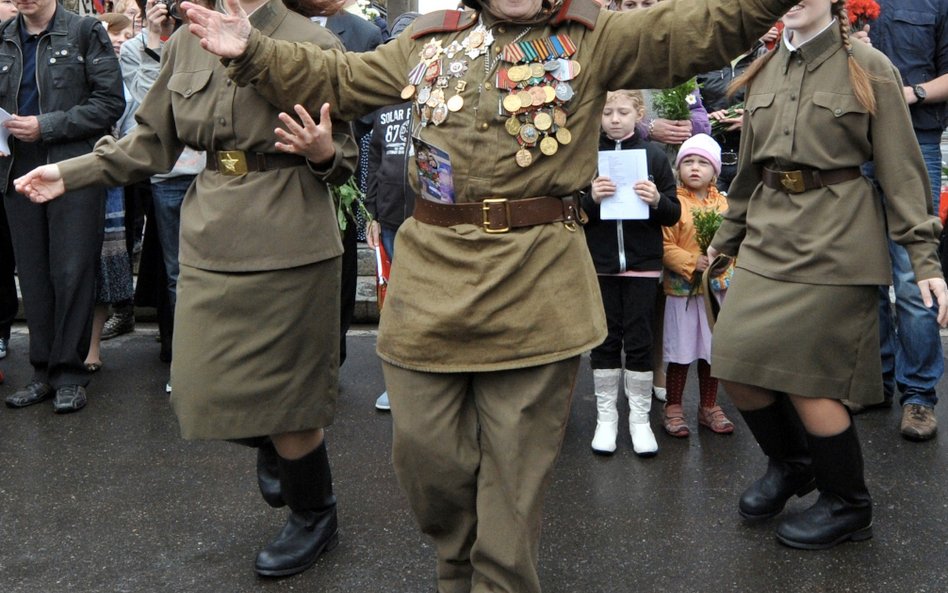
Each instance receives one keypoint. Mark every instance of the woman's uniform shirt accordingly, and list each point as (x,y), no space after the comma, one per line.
(460,298)
(267,220)
(801,111)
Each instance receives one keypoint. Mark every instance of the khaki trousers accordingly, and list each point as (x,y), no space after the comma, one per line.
(474,453)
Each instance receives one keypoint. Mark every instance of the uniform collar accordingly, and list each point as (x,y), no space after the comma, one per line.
(818,49)
(269,16)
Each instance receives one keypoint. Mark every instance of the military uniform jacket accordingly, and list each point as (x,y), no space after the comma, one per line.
(801,111)
(267,220)
(461,299)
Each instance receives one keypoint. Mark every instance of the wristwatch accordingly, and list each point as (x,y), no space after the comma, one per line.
(920,93)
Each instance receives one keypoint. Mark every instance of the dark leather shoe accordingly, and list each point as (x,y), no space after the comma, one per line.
(304,538)
(767,496)
(33,393)
(830,521)
(69,398)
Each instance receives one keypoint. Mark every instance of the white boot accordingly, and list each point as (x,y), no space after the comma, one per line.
(638,388)
(606,382)
(661,394)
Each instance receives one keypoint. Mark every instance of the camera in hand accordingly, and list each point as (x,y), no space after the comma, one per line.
(172,6)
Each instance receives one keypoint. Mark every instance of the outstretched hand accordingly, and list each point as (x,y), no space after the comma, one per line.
(936,287)
(222,34)
(42,184)
(306,137)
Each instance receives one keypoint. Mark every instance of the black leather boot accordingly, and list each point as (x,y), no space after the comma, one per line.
(781,437)
(311,528)
(268,475)
(268,470)
(843,511)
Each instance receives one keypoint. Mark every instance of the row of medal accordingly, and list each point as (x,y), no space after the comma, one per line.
(438,68)
(538,88)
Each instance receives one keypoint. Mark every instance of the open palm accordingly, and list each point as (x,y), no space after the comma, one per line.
(222,34)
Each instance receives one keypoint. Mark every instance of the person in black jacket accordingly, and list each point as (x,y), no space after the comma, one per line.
(62,83)
(389,197)
(628,259)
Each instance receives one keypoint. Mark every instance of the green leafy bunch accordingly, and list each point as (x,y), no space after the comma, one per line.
(349,200)
(719,127)
(673,103)
(706,221)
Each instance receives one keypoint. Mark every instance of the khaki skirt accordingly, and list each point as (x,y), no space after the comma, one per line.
(256,353)
(802,339)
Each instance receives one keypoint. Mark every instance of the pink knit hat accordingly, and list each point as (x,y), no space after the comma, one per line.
(704,146)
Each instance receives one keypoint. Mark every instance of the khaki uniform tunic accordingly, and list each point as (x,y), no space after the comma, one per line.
(193,103)
(801,110)
(461,299)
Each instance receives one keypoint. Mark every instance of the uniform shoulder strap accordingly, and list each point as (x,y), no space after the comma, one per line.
(443,21)
(584,12)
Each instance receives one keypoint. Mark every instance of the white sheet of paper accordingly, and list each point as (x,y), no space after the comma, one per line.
(624,168)
(4,133)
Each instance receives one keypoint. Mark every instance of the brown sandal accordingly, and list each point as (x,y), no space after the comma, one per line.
(673,417)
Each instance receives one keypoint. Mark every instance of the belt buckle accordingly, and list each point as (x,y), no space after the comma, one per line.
(486,207)
(232,162)
(792,181)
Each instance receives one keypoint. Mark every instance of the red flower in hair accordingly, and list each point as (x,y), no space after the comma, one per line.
(861,12)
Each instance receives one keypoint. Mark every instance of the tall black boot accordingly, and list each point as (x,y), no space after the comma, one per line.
(782,438)
(268,470)
(844,509)
(311,528)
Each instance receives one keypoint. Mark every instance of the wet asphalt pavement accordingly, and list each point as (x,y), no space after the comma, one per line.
(111,499)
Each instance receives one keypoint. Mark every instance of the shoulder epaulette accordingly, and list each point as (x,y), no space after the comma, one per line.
(444,21)
(584,12)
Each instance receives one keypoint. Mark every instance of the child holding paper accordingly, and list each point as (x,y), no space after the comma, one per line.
(628,259)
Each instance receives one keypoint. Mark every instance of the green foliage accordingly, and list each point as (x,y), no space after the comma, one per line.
(674,103)
(718,127)
(349,200)
(706,221)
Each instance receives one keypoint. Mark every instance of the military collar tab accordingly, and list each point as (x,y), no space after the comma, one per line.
(443,21)
(817,50)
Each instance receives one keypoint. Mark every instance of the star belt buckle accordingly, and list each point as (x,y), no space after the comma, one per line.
(232,162)
(792,182)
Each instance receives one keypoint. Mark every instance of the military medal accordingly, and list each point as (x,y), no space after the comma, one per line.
(424,93)
(563,136)
(431,50)
(512,103)
(543,121)
(523,157)
(529,134)
(439,114)
(549,146)
(455,103)
(408,92)
(513,125)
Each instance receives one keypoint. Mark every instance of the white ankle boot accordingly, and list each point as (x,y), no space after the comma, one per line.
(638,389)
(606,382)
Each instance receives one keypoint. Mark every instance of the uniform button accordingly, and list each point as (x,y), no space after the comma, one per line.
(229,82)
(799,62)
(501,30)
(187,93)
(487,86)
(786,131)
(793,97)
(838,111)
(483,126)
(222,121)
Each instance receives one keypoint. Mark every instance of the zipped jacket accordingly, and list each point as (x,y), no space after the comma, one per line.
(619,246)
(389,197)
(79,82)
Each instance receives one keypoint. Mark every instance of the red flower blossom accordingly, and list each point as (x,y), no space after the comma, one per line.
(861,12)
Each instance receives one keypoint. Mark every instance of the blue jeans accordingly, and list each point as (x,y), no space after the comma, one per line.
(387,237)
(167,196)
(910,343)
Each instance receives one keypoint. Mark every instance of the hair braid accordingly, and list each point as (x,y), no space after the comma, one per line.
(860,80)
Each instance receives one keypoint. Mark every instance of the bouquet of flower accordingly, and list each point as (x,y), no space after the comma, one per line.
(675,103)
(861,12)
(348,198)
(719,127)
(706,221)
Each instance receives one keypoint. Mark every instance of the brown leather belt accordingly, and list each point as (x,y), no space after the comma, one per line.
(797,181)
(500,215)
(238,162)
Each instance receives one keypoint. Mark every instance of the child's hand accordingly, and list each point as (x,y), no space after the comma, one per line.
(602,187)
(648,192)
(702,263)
